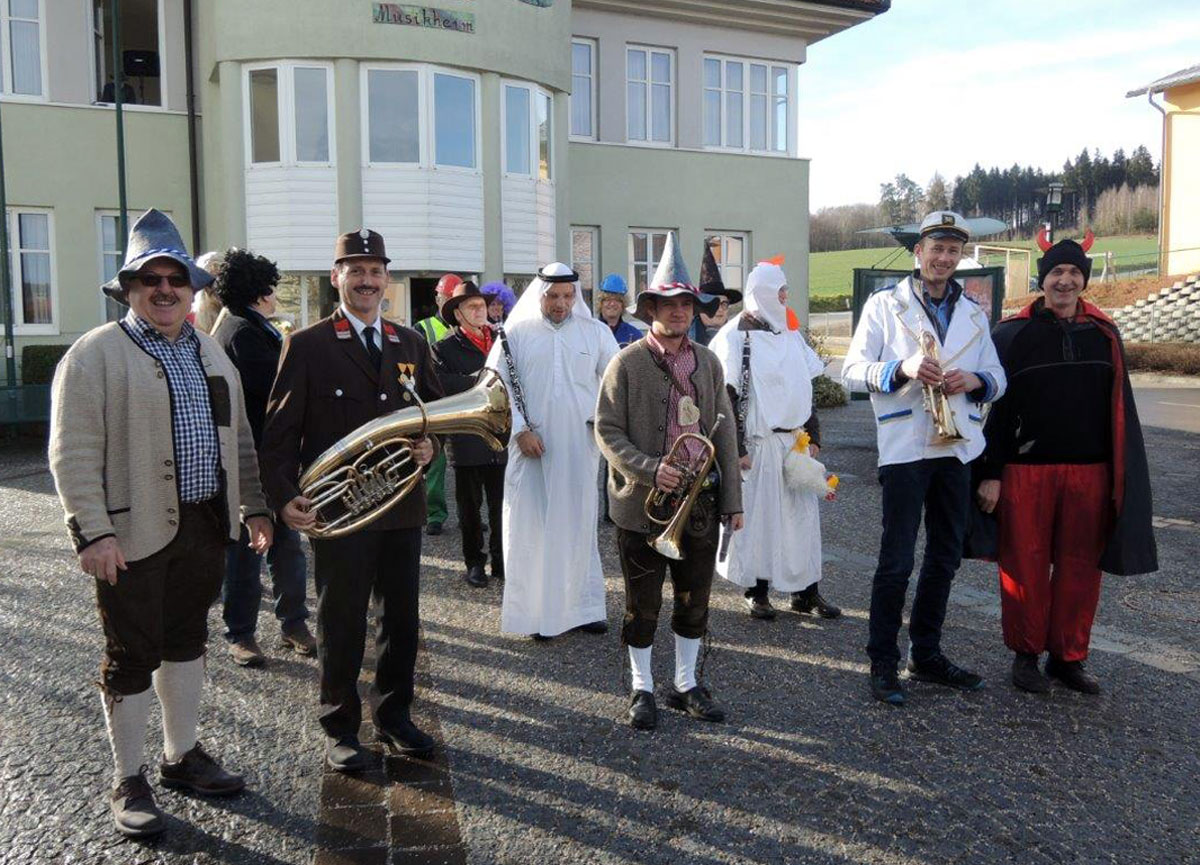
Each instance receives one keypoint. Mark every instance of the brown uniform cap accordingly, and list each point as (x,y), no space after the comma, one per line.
(363,243)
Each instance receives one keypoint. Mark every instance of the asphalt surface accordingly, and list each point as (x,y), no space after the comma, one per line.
(1170,407)
(538,765)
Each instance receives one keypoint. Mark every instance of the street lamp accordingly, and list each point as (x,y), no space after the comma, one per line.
(1054,202)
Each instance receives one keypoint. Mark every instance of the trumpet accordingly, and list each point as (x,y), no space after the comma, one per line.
(936,402)
(672,509)
(365,474)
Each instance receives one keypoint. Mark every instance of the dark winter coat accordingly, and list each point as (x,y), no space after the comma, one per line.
(458,362)
(254,347)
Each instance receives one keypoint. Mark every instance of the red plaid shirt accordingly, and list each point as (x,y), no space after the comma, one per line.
(680,365)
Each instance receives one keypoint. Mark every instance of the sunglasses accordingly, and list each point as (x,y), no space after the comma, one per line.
(153,280)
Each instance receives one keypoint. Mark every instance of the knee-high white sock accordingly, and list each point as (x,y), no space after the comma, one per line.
(686,652)
(179,686)
(639,662)
(125,719)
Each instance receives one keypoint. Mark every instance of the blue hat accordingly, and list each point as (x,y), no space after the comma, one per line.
(614,284)
(154,235)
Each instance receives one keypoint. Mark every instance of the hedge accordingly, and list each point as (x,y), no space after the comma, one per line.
(38,362)
(1181,358)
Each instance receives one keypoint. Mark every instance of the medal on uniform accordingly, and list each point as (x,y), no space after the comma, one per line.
(689,413)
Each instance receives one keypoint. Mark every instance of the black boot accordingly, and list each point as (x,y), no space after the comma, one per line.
(1027,676)
(809,601)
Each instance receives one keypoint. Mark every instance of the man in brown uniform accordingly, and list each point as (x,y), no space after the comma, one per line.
(334,376)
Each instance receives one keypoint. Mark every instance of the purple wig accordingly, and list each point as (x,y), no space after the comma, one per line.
(503,292)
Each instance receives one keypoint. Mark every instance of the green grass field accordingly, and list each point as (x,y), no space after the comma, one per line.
(832,273)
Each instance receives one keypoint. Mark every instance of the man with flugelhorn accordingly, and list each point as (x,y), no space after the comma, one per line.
(655,391)
(334,376)
(920,468)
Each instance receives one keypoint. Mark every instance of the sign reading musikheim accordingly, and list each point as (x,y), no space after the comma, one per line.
(423,16)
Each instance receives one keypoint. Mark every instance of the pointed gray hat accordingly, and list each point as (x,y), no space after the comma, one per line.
(154,235)
(671,279)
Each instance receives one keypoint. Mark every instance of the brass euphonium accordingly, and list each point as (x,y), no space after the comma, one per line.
(673,509)
(365,474)
(936,402)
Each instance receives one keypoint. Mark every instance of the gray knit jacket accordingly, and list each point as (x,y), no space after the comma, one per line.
(631,424)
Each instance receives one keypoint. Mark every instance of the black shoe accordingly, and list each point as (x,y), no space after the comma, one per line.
(885,685)
(600,627)
(1027,676)
(809,601)
(133,808)
(643,714)
(498,571)
(406,738)
(760,608)
(346,755)
(697,702)
(1073,675)
(433,529)
(476,577)
(200,773)
(940,671)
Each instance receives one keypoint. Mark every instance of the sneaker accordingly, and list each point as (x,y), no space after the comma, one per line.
(885,685)
(1027,676)
(643,714)
(133,808)
(760,608)
(940,671)
(697,702)
(809,601)
(300,640)
(200,773)
(1073,675)
(246,653)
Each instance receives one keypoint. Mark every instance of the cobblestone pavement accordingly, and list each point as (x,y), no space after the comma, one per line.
(537,766)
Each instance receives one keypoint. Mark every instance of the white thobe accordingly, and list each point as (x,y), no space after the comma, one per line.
(553,580)
(781,542)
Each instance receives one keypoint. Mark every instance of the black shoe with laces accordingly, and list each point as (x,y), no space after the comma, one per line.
(476,577)
(809,601)
(133,808)
(1027,676)
(345,754)
(939,671)
(697,702)
(885,685)
(406,738)
(200,773)
(760,607)
(643,714)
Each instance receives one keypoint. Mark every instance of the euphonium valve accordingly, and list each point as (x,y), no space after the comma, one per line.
(672,509)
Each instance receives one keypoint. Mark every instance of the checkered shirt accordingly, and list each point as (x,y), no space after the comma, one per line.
(197,449)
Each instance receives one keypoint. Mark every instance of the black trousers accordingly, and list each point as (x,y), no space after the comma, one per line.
(942,489)
(349,571)
(471,483)
(645,570)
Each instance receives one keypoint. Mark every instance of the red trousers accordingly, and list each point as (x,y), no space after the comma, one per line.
(1053,523)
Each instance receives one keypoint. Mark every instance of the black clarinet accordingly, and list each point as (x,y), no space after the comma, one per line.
(517,392)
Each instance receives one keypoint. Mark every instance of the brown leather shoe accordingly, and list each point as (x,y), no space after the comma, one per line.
(300,640)
(133,808)
(200,773)
(246,653)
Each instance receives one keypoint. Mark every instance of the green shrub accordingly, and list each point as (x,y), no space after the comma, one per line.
(827,393)
(38,362)
(1180,358)
(829,303)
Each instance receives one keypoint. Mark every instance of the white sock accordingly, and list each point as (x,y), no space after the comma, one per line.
(126,721)
(179,686)
(686,652)
(643,676)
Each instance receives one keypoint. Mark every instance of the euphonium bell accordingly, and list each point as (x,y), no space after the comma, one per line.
(365,474)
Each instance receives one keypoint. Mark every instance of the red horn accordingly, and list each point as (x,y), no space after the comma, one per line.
(1088,240)
(1043,241)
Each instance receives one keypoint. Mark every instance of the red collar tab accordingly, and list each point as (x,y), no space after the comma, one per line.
(389,330)
(341,326)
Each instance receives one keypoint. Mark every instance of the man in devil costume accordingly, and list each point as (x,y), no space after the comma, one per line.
(1065,470)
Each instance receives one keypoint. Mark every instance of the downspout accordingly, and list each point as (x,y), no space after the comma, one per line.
(1162,180)
(193,155)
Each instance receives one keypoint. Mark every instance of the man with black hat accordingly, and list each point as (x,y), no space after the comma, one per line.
(1065,470)
(711,283)
(656,390)
(919,470)
(334,376)
(154,462)
(478,470)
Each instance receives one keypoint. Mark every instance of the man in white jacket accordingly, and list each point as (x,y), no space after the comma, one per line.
(919,473)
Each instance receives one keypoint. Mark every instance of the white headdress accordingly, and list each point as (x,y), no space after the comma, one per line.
(529,305)
(762,295)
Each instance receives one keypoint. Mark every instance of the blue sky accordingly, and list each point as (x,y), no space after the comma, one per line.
(938,85)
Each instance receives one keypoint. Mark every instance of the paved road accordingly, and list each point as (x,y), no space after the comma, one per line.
(538,768)
(1169,407)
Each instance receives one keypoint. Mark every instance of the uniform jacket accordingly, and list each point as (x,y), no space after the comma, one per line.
(327,387)
(458,362)
(631,428)
(891,323)
(254,350)
(112,448)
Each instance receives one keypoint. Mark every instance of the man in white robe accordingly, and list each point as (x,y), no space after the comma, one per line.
(551,560)
(781,545)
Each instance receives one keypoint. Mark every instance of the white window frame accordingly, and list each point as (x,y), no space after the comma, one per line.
(651,265)
(286,94)
(102,215)
(535,93)
(747,62)
(723,237)
(594,261)
(20,328)
(6,85)
(648,83)
(432,125)
(593,57)
(162,63)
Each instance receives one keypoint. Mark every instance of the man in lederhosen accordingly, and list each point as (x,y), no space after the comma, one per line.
(334,376)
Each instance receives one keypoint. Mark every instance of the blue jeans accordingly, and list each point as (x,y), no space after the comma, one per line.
(942,488)
(242,589)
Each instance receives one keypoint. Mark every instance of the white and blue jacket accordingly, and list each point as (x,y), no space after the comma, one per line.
(888,332)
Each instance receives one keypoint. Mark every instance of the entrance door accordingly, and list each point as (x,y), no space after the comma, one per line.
(421,297)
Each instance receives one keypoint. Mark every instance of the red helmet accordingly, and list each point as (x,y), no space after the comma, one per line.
(447,284)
